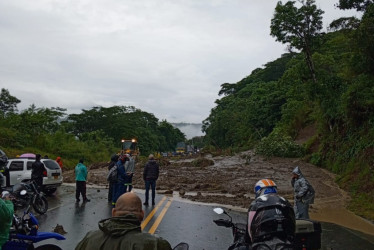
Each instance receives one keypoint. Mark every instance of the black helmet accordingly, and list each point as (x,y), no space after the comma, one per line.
(272,216)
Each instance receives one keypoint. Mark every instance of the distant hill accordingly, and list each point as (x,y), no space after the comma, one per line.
(189,129)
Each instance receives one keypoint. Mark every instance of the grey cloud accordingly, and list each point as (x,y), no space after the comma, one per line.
(165,57)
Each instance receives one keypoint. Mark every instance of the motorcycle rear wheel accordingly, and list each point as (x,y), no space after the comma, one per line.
(40,205)
(48,247)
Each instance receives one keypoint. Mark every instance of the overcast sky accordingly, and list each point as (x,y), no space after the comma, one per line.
(166,57)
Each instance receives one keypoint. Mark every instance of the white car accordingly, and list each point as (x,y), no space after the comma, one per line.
(19,170)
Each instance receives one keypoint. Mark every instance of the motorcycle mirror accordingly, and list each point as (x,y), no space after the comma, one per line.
(181,246)
(218,210)
(23,192)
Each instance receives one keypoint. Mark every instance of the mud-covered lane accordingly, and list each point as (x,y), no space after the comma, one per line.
(230,179)
(175,219)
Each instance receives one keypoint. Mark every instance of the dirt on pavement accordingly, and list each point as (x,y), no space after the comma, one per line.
(229,180)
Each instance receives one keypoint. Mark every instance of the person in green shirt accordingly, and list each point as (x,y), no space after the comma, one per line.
(6,216)
(123,230)
(80,180)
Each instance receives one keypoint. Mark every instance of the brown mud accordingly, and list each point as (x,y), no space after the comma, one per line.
(229,180)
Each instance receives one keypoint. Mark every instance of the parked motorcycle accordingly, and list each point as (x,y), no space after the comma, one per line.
(26,194)
(24,233)
(307,235)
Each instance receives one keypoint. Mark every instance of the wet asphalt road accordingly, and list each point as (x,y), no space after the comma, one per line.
(173,219)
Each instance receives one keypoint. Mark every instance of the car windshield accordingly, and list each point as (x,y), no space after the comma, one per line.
(50,164)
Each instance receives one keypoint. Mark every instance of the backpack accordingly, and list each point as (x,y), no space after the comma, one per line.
(310,194)
(273,217)
(112,174)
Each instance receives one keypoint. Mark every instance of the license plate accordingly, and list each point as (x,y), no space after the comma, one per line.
(55,177)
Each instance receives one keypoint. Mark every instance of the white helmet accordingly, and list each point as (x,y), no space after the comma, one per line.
(265,186)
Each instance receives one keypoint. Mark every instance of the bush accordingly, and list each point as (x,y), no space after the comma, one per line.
(316,159)
(279,144)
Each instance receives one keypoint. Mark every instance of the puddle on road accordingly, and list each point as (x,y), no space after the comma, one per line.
(339,216)
(343,217)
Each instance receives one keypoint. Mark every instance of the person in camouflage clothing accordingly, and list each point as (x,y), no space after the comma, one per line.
(123,229)
(303,194)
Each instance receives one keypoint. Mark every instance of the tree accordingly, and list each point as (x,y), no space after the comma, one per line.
(299,27)
(8,103)
(359,5)
(344,23)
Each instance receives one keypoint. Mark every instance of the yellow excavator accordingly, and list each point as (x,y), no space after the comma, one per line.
(129,146)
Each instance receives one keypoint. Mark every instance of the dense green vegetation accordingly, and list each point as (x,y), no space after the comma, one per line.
(327,84)
(94,134)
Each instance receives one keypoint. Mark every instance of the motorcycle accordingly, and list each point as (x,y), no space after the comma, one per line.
(238,230)
(307,235)
(24,233)
(26,194)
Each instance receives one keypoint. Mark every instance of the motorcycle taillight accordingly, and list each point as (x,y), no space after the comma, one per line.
(45,173)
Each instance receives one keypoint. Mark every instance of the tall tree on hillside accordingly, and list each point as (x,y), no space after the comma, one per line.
(299,27)
(364,35)
(8,103)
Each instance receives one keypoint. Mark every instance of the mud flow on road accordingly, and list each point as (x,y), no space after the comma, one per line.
(229,180)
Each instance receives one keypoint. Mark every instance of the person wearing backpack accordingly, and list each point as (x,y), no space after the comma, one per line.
(271,219)
(303,194)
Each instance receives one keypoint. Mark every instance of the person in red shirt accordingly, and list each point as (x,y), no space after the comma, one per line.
(59,161)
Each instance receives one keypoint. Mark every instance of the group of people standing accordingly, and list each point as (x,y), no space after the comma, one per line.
(124,165)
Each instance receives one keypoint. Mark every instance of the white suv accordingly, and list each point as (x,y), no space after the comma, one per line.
(19,170)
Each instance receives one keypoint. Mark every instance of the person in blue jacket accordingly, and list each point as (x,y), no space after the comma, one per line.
(119,186)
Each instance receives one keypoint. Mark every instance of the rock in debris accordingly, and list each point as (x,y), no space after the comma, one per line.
(59,229)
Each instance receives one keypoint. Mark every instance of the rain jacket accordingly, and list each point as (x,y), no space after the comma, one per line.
(80,172)
(121,172)
(37,169)
(151,171)
(302,189)
(130,165)
(122,232)
(303,193)
(6,216)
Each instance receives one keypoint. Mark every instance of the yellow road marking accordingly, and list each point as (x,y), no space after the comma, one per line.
(159,218)
(150,215)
